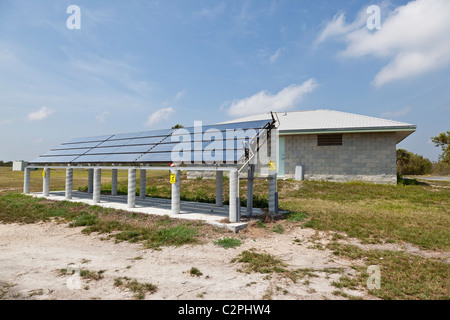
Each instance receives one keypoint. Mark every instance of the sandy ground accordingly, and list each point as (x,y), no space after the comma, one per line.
(32,256)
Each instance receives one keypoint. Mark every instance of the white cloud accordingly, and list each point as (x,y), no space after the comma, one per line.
(43,113)
(160,115)
(101,118)
(414,37)
(398,113)
(40,140)
(263,102)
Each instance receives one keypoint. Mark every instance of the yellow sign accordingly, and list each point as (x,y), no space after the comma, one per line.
(43,173)
(272,166)
(173,178)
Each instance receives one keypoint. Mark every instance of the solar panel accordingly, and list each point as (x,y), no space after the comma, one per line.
(221,142)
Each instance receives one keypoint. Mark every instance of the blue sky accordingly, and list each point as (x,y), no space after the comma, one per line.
(142,65)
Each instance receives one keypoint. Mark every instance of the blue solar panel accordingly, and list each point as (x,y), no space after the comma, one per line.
(110,143)
(221,142)
(89,158)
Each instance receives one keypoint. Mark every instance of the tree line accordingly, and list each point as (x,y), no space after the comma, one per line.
(409,163)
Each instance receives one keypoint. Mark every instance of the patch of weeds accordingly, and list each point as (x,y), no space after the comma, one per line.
(92,275)
(85,274)
(260,262)
(36,292)
(278,228)
(227,242)
(194,272)
(139,289)
(296,216)
(85,219)
(260,224)
(403,276)
(174,236)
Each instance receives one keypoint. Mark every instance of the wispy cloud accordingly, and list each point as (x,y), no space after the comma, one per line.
(210,12)
(101,118)
(41,114)
(397,113)
(263,101)
(273,58)
(162,114)
(414,37)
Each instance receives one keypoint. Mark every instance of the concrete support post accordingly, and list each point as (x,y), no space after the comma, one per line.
(69,183)
(26,180)
(114,182)
(273,193)
(234,212)
(90,180)
(219,188)
(46,183)
(131,202)
(97,180)
(176,191)
(142,183)
(250,180)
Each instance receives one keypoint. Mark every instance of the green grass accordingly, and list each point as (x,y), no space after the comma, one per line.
(403,276)
(413,212)
(152,231)
(227,242)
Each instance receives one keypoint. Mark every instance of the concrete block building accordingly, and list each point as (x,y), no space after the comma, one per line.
(336,146)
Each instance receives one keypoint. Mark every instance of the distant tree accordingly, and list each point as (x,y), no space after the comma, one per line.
(178,126)
(403,158)
(443,141)
(417,165)
(410,163)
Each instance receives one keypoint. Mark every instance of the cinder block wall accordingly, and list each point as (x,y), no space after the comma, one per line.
(367,157)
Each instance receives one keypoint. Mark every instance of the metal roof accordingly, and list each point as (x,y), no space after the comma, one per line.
(328,121)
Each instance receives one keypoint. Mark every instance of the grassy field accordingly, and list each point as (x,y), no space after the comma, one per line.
(413,213)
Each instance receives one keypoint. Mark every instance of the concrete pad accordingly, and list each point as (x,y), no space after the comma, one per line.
(206,212)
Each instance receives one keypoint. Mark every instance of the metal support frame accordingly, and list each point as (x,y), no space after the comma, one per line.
(250,180)
(26,180)
(219,188)
(90,180)
(176,192)
(114,182)
(69,183)
(234,209)
(97,180)
(131,197)
(142,183)
(46,182)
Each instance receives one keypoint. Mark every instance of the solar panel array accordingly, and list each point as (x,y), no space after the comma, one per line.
(210,143)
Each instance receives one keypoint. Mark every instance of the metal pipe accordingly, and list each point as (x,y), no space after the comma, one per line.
(131,201)
(142,183)
(97,180)
(69,183)
(250,179)
(90,180)
(114,182)
(233,207)
(46,183)
(176,191)
(273,206)
(219,188)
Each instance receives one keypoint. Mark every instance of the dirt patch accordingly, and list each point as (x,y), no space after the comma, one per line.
(33,256)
